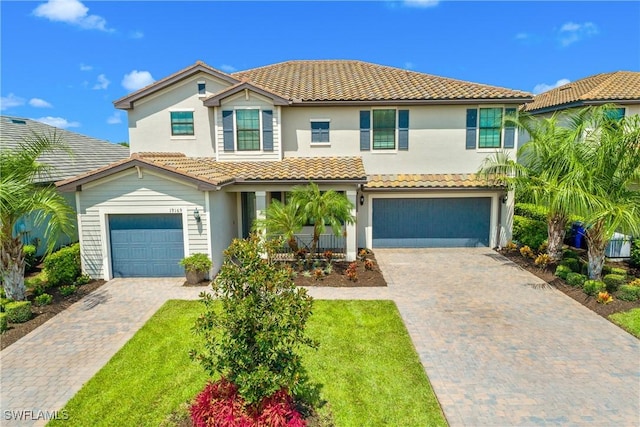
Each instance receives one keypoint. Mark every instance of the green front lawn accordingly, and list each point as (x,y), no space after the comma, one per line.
(628,320)
(369,370)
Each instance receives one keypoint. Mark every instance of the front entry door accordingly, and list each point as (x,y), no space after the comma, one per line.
(248,212)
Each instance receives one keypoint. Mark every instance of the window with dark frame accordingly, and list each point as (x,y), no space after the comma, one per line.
(248,130)
(319,132)
(384,129)
(490,128)
(202,88)
(182,123)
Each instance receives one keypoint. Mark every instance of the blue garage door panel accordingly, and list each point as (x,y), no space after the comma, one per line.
(438,222)
(146,245)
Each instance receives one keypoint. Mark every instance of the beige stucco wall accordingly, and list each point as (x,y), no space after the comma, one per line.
(129,193)
(224,220)
(437,136)
(150,121)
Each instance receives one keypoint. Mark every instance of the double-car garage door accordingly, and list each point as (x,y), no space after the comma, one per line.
(431,222)
(146,245)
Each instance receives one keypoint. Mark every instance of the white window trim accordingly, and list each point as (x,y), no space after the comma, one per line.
(395,142)
(235,131)
(320,144)
(182,137)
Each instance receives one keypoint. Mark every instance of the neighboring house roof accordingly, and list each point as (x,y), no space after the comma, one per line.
(417,181)
(343,82)
(209,174)
(87,153)
(620,87)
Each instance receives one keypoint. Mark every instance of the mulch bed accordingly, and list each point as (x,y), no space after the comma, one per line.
(576,293)
(338,279)
(41,314)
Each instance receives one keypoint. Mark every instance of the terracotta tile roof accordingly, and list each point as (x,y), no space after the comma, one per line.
(344,80)
(427,181)
(606,87)
(209,171)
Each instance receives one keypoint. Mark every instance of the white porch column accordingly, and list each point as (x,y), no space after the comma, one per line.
(351,241)
(261,204)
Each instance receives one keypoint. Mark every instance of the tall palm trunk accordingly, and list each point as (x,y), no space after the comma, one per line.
(12,264)
(596,243)
(556,226)
(316,239)
(293,244)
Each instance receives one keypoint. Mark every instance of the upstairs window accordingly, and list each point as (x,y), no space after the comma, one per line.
(615,114)
(384,129)
(248,130)
(490,129)
(182,123)
(202,88)
(320,132)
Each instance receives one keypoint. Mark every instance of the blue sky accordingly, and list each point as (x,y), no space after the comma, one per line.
(65,61)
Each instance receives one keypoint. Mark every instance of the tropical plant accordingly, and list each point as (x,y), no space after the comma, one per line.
(538,176)
(605,163)
(282,220)
(320,208)
(21,195)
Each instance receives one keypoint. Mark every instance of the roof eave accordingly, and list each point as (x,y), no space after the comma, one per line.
(214,101)
(461,101)
(126,102)
(581,103)
(409,189)
(245,181)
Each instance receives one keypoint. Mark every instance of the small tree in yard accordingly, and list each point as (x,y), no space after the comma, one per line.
(20,195)
(253,327)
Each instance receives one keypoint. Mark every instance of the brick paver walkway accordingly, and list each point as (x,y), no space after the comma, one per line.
(500,349)
(43,370)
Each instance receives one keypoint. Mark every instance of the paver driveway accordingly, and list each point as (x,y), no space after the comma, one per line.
(43,370)
(501,350)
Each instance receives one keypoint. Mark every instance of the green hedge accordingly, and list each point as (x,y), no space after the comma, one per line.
(592,287)
(628,293)
(562,271)
(4,325)
(576,279)
(613,282)
(635,252)
(18,311)
(29,252)
(531,211)
(63,267)
(573,264)
(529,232)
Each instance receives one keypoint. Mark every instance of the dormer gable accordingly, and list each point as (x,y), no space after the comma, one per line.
(215,100)
(127,102)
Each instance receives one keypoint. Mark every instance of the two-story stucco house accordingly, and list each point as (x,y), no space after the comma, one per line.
(211,150)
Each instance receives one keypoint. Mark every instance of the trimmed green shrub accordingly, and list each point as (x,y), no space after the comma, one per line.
(3,302)
(613,282)
(531,211)
(576,279)
(568,253)
(4,324)
(18,311)
(3,294)
(606,269)
(67,290)
(44,299)
(592,287)
(529,232)
(620,271)
(573,264)
(562,271)
(584,268)
(29,252)
(628,293)
(635,253)
(82,280)
(63,266)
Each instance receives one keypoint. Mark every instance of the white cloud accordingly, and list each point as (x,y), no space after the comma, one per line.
(39,103)
(543,87)
(522,36)
(421,3)
(227,68)
(137,79)
(58,122)
(85,67)
(102,83)
(115,118)
(409,65)
(136,35)
(10,101)
(571,32)
(72,12)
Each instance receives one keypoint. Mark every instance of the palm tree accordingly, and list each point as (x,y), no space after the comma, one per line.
(20,195)
(281,220)
(320,208)
(538,176)
(605,165)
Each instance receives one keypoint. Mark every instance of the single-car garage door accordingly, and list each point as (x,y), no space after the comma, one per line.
(146,245)
(437,222)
